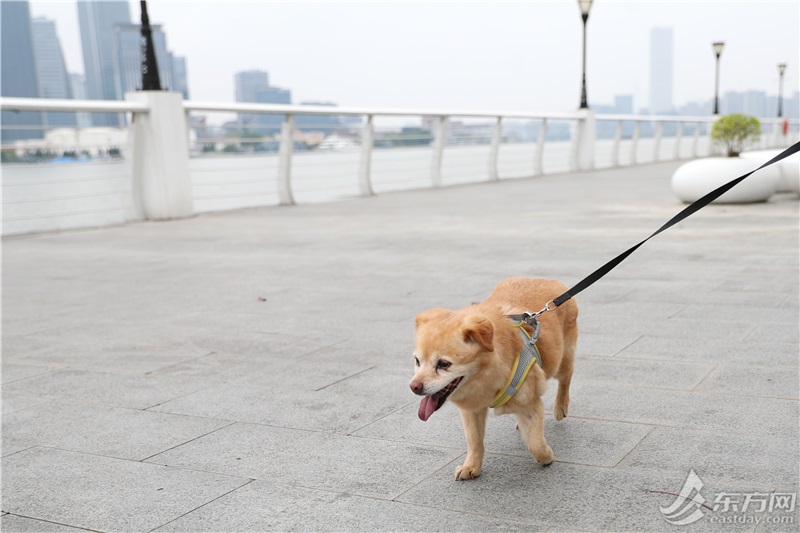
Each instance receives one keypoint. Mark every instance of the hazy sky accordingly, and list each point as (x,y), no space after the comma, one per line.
(466,55)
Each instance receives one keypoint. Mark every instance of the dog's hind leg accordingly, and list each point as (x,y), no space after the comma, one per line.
(531,429)
(564,374)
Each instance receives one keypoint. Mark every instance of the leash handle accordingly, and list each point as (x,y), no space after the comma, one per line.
(686,212)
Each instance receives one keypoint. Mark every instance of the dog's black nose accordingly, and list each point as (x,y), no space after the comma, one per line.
(417,387)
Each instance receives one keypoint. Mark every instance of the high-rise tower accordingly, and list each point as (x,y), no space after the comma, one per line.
(51,71)
(97,21)
(18,71)
(661,70)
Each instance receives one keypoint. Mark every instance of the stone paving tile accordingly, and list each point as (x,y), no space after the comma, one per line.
(761,459)
(17,402)
(18,347)
(104,494)
(135,392)
(19,524)
(603,344)
(737,313)
(574,440)
(660,374)
(109,346)
(679,328)
(365,467)
(740,300)
(265,506)
(776,333)
(222,338)
(791,301)
(723,412)
(15,372)
(101,430)
(760,285)
(391,345)
(713,351)
(341,407)
(775,382)
(652,310)
(572,497)
(305,374)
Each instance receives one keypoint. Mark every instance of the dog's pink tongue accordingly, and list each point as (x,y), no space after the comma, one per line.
(426,408)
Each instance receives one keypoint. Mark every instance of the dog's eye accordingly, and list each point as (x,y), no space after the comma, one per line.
(442,364)
(416,361)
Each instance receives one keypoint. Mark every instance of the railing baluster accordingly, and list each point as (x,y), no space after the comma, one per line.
(438,151)
(494,155)
(658,135)
(285,196)
(365,170)
(696,140)
(635,141)
(676,154)
(615,149)
(575,142)
(538,170)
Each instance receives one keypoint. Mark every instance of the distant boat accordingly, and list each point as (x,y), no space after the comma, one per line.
(337,143)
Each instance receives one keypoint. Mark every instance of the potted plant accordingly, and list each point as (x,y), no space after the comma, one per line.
(693,180)
(735,132)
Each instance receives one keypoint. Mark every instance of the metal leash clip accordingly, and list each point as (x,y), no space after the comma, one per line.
(532,319)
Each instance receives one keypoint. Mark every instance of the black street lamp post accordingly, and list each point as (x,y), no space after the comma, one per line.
(718,46)
(585,6)
(150,78)
(781,70)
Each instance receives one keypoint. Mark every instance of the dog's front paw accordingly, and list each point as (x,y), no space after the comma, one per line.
(560,411)
(543,455)
(467,472)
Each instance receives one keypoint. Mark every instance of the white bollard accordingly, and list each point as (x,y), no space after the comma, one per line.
(160,157)
(584,134)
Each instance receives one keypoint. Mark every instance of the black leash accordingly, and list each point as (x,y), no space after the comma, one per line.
(687,211)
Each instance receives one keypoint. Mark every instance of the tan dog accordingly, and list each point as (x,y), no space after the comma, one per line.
(467,357)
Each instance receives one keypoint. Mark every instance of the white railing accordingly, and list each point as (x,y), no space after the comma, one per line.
(226,182)
(438,117)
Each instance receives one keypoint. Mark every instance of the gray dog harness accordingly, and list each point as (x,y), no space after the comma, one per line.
(525,360)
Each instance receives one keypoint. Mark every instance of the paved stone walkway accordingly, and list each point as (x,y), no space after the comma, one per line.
(248,371)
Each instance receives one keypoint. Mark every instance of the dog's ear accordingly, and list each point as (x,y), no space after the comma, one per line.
(432,314)
(478,330)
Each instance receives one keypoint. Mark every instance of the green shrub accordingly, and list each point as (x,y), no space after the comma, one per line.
(735,131)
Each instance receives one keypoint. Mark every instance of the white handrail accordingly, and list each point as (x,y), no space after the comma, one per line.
(656,118)
(13,103)
(240,107)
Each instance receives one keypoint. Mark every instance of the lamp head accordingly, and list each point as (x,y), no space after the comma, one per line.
(718,46)
(585,6)
(781,68)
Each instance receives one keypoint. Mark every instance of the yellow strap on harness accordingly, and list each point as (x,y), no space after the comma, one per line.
(529,356)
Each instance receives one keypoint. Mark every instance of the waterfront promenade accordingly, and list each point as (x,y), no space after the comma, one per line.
(248,370)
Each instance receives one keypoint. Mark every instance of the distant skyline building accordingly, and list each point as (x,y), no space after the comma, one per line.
(97,20)
(51,71)
(180,77)
(661,71)
(78,86)
(253,86)
(623,103)
(18,71)
(128,58)
(248,83)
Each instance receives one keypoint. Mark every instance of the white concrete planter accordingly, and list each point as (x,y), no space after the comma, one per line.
(695,179)
(788,169)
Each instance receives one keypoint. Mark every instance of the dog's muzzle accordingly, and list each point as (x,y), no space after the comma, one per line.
(434,401)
